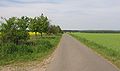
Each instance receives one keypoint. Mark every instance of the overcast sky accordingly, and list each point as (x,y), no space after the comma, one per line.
(69,14)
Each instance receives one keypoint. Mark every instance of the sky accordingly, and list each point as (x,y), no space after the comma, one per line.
(69,14)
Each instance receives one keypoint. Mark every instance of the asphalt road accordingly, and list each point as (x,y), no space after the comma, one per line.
(71,55)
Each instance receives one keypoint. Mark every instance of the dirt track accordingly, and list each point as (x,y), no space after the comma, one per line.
(73,56)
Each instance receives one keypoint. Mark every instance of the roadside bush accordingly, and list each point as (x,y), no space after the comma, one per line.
(11,52)
(25,49)
(8,48)
(13,49)
(44,45)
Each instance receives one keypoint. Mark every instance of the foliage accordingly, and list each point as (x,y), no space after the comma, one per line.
(39,24)
(17,42)
(44,24)
(11,52)
(14,30)
(33,27)
(53,29)
(105,44)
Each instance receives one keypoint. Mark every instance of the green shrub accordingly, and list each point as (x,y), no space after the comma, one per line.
(42,47)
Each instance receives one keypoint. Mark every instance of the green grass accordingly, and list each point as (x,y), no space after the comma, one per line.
(108,45)
(37,50)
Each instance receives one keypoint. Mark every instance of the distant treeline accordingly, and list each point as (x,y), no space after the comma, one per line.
(94,31)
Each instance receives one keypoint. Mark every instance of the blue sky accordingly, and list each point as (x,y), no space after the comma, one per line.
(69,14)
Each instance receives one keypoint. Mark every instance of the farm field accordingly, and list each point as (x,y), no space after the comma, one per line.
(106,44)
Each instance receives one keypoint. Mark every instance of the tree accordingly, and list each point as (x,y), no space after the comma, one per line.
(15,29)
(53,29)
(8,30)
(23,24)
(34,27)
(59,29)
(39,24)
(43,23)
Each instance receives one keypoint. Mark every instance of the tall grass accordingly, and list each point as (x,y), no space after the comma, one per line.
(108,45)
(35,50)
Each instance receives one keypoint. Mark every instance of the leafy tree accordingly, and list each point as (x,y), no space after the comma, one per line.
(39,24)
(59,29)
(43,24)
(15,29)
(53,29)
(23,24)
(34,27)
(8,30)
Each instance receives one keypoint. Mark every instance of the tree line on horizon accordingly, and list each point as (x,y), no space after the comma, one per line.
(93,31)
(16,29)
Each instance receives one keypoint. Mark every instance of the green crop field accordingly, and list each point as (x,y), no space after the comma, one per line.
(108,45)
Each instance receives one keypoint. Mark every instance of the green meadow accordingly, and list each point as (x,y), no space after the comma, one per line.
(105,44)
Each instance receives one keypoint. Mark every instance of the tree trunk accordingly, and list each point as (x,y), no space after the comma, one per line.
(36,35)
(41,34)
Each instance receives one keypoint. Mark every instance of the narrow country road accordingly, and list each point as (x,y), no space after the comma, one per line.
(73,56)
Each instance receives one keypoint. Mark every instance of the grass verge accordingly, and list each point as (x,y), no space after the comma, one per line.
(38,50)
